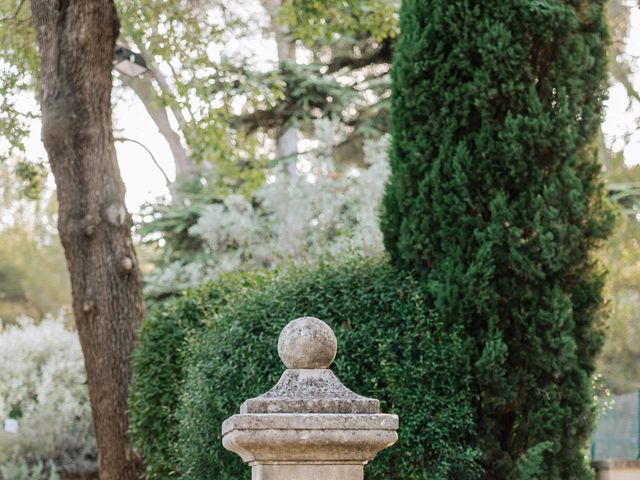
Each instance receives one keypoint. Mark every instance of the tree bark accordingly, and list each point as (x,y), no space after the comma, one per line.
(286,137)
(76,40)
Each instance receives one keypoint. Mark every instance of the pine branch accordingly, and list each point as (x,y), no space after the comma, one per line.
(380,55)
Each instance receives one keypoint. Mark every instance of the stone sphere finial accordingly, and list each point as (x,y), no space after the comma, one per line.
(307,343)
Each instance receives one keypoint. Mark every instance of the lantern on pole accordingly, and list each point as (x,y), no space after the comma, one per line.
(128,62)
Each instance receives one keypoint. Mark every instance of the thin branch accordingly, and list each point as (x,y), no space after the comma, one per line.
(153,158)
(144,89)
(15,14)
(380,55)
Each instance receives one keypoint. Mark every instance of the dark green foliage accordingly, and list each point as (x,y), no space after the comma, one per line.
(496,200)
(390,347)
(158,368)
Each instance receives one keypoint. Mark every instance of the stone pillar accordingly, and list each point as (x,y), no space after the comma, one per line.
(309,426)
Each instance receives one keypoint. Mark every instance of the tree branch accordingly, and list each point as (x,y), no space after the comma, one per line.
(380,55)
(143,88)
(153,158)
(160,79)
(15,14)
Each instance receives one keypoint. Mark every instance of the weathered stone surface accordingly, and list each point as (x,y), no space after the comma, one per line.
(310,391)
(294,472)
(307,343)
(314,421)
(309,426)
(301,438)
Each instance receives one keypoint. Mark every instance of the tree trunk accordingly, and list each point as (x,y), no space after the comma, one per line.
(286,137)
(76,40)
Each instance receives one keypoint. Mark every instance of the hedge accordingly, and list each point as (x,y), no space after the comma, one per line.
(390,346)
(158,368)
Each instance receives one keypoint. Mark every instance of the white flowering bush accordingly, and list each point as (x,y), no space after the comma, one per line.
(320,212)
(43,388)
(19,469)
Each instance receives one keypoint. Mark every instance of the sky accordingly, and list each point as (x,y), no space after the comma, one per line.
(145,182)
(619,120)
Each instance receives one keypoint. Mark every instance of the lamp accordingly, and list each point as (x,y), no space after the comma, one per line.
(130,63)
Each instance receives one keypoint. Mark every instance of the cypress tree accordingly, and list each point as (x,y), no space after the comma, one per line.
(496,201)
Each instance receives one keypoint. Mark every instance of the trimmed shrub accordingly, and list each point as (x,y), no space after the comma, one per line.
(389,346)
(158,368)
(496,201)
